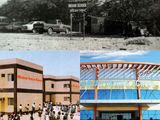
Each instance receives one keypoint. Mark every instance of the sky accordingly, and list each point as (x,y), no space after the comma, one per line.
(130,56)
(2,2)
(58,63)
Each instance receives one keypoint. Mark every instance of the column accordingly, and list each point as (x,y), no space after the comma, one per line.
(96,93)
(139,95)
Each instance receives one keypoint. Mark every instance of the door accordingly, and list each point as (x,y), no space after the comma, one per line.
(119,117)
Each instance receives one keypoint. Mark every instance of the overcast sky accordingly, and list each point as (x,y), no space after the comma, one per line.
(2,2)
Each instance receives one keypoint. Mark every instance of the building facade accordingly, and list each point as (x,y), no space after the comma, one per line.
(23,83)
(18,79)
(120,91)
(62,89)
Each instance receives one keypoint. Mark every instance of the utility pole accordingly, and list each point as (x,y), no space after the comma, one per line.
(71,24)
(84,17)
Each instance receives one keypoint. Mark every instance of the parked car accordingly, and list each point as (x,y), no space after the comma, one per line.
(13,27)
(50,28)
(3,22)
(39,28)
(30,26)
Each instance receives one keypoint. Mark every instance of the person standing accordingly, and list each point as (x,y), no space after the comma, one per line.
(20,109)
(33,107)
(39,114)
(31,117)
(39,107)
(27,108)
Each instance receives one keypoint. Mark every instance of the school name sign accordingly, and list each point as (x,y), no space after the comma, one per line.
(120,84)
(77,5)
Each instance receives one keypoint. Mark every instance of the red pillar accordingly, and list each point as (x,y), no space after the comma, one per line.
(96,94)
(139,95)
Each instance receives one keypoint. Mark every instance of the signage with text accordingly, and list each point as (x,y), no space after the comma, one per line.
(29,78)
(120,84)
(77,5)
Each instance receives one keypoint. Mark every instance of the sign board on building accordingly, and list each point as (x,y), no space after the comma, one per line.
(77,5)
(120,84)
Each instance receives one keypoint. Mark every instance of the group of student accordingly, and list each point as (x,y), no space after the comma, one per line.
(60,112)
(46,112)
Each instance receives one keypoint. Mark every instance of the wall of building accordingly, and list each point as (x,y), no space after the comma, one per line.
(4,83)
(75,86)
(59,86)
(4,104)
(29,80)
(47,98)
(61,97)
(30,99)
(48,85)
(75,98)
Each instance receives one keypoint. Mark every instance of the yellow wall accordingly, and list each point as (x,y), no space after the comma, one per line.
(4,107)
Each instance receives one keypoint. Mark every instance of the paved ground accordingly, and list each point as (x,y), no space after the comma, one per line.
(30,41)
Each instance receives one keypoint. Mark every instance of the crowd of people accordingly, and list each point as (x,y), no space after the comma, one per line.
(60,112)
(48,111)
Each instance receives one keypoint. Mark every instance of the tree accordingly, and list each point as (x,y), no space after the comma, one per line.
(26,10)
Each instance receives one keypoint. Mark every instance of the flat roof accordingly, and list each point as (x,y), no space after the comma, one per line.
(20,62)
(118,64)
(142,69)
(61,77)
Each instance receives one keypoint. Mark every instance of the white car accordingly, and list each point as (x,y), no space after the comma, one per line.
(30,26)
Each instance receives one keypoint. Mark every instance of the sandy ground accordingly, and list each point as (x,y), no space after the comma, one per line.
(29,41)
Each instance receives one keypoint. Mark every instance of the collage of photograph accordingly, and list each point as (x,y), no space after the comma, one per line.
(79,59)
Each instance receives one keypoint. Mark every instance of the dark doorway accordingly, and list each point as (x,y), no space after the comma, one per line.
(119,117)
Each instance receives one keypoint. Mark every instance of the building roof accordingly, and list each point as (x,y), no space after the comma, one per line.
(20,62)
(60,77)
(119,64)
(120,69)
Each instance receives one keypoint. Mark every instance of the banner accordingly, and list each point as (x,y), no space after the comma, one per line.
(120,84)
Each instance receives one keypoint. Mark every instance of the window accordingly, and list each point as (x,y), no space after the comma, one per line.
(52,85)
(66,98)
(66,85)
(2,75)
(10,77)
(10,101)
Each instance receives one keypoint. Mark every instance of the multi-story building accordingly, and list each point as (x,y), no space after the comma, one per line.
(61,89)
(120,91)
(22,83)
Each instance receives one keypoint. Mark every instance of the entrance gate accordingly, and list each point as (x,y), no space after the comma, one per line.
(129,115)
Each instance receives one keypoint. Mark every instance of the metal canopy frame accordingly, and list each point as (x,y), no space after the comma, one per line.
(129,70)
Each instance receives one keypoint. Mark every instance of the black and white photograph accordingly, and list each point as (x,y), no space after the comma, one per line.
(79,24)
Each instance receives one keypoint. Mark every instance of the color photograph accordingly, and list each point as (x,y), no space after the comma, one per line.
(39,85)
(120,85)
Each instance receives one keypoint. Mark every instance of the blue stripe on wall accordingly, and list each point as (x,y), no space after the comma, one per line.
(148,114)
(86,94)
(117,94)
(87,114)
